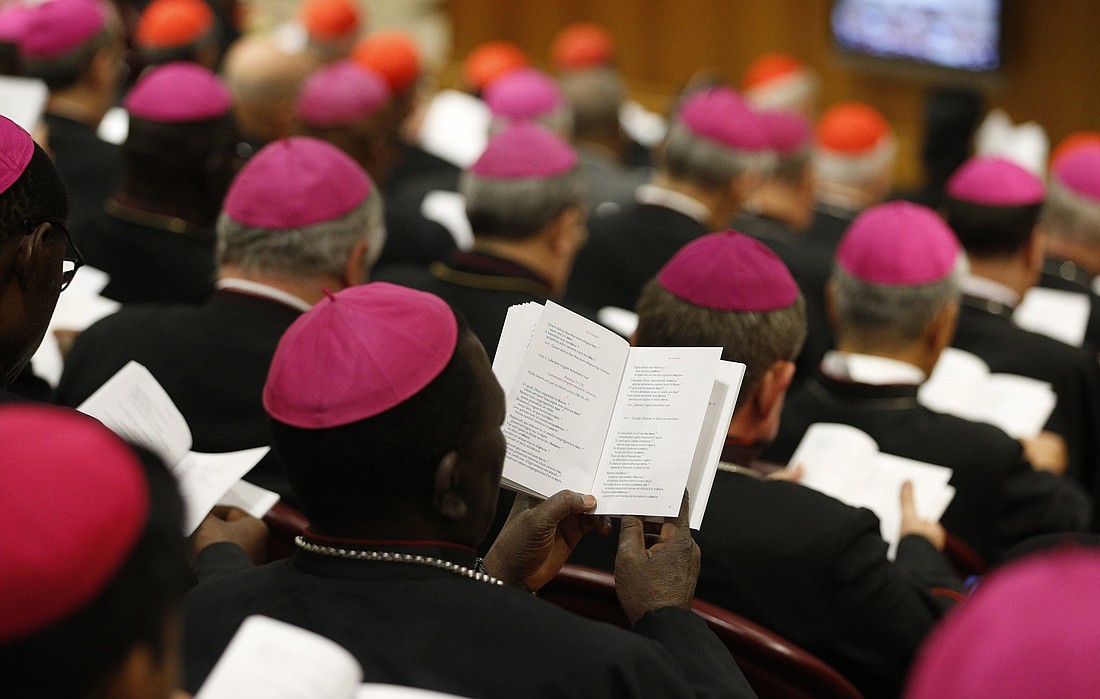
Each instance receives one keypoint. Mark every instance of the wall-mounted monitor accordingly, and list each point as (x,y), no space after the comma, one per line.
(958,35)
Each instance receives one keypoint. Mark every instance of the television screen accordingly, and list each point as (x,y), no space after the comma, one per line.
(959,34)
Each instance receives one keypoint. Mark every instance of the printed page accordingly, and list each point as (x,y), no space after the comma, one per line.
(251,498)
(712,438)
(654,430)
(205,478)
(515,338)
(372,690)
(1018,405)
(883,493)
(275,660)
(135,407)
(1063,315)
(560,404)
(956,384)
(836,460)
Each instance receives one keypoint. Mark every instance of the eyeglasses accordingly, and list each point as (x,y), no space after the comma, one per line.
(71,263)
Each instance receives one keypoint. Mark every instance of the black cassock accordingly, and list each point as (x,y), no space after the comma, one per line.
(89,167)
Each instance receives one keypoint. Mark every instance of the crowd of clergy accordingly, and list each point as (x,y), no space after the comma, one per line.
(311,247)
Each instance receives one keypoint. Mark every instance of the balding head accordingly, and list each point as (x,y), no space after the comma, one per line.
(264,78)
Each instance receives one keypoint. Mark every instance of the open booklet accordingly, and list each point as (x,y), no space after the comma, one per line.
(845,462)
(1063,315)
(961,384)
(134,406)
(586,411)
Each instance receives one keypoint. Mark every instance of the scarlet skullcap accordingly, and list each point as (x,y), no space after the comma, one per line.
(582,45)
(171,23)
(522,150)
(898,244)
(295,182)
(74,502)
(357,354)
(720,115)
(16,151)
(1079,172)
(852,129)
(769,68)
(990,181)
(491,60)
(13,23)
(59,26)
(729,271)
(330,19)
(788,132)
(1028,631)
(393,55)
(1075,140)
(341,94)
(523,94)
(176,93)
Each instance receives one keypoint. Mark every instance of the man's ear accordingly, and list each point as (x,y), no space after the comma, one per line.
(744,186)
(772,387)
(941,329)
(448,500)
(355,270)
(23,263)
(562,237)
(1036,253)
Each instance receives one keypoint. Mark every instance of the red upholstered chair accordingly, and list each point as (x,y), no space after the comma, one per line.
(284,523)
(776,668)
(965,560)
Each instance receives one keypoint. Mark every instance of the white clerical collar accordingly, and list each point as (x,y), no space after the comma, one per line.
(263,290)
(989,290)
(677,201)
(869,369)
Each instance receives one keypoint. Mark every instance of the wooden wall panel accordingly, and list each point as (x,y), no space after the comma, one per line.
(1052,72)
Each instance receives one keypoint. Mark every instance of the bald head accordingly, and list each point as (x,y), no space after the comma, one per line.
(264,79)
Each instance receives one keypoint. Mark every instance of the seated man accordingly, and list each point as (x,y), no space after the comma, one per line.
(893,299)
(94,569)
(387,416)
(301,217)
(819,574)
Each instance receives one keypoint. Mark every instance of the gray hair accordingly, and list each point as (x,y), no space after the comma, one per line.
(319,248)
(595,96)
(520,208)
(758,339)
(876,316)
(855,170)
(1069,216)
(685,156)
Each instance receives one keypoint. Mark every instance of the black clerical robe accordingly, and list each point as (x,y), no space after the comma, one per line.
(425,627)
(211,359)
(89,167)
(999,501)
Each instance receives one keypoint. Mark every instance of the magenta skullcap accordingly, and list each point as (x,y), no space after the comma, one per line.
(719,114)
(295,182)
(729,271)
(14,20)
(358,353)
(1079,172)
(59,26)
(73,502)
(523,94)
(523,149)
(991,181)
(1028,631)
(789,132)
(898,244)
(341,94)
(16,151)
(176,93)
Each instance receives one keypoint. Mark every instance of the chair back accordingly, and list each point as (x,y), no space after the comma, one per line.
(283,523)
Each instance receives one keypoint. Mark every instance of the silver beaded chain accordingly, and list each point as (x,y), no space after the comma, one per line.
(387,557)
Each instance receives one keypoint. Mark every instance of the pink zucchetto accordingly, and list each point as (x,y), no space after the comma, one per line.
(523,150)
(523,94)
(991,181)
(357,354)
(898,244)
(13,23)
(56,27)
(295,182)
(341,94)
(1079,172)
(729,271)
(73,502)
(176,93)
(1028,631)
(16,151)
(789,132)
(719,114)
